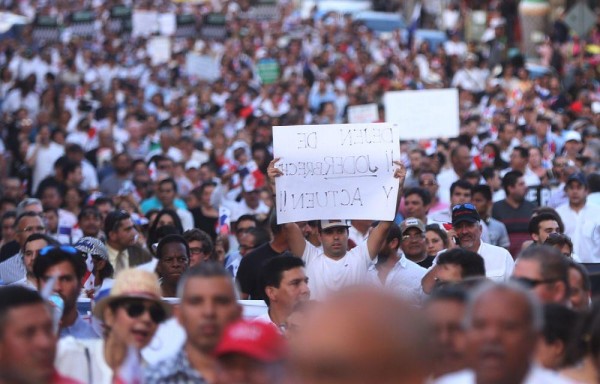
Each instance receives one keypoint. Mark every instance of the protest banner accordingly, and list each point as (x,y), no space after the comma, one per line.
(203,67)
(268,70)
(338,171)
(159,49)
(144,23)
(425,114)
(361,114)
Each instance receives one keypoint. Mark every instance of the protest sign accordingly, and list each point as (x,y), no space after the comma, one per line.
(159,49)
(361,114)
(268,70)
(144,23)
(167,23)
(203,67)
(339,171)
(425,114)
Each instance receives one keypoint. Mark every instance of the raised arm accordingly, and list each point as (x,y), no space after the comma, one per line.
(379,233)
(294,236)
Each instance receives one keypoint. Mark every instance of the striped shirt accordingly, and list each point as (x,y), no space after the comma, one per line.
(12,269)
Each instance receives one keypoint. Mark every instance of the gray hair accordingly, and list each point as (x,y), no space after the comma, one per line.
(205,270)
(533,303)
(21,207)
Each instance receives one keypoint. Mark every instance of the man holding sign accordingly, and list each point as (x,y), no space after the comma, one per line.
(333,266)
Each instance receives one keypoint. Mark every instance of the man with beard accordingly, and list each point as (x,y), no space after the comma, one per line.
(504,323)
(208,304)
(112,184)
(173,255)
(393,270)
(66,264)
(90,222)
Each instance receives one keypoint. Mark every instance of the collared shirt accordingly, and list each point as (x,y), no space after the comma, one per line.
(113,256)
(80,329)
(583,228)
(404,278)
(12,269)
(176,370)
(494,232)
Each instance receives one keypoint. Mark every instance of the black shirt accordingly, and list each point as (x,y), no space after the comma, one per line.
(426,262)
(8,250)
(249,272)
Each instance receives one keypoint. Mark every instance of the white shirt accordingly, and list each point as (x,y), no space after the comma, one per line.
(71,360)
(44,161)
(356,236)
(445,180)
(404,278)
(583,228)
(498,262)
(326,275)
(536,375)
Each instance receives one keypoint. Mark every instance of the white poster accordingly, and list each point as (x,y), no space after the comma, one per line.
(144,23)
(159,49)
(340,171)
(426,114)
(360,114)
(167,24)
(204,67)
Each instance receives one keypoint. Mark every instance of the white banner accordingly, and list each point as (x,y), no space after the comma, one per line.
(203,67)
(361,114)
(340,171)
(426,114)
(159,49)
(144,23)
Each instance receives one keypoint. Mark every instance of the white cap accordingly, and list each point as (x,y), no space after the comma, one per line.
(326,224)
(192,164)
(573,135)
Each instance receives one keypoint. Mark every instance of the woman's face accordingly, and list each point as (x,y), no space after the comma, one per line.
(206,194)
(165,220)
(129,326)
(535,158)
(433,242)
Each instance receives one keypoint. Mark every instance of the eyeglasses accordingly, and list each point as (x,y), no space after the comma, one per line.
(532,283)
(196,251)
(419,236)
(427,183)
(463,206)
(136,308)
(64,248)
(37,229)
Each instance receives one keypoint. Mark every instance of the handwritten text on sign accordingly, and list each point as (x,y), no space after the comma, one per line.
(342,171)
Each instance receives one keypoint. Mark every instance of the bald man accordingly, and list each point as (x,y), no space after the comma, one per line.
(361,335)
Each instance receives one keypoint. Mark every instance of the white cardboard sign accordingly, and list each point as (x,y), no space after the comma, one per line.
(360,114)
(159,49)
(339,171)
(425,114)
(203,67)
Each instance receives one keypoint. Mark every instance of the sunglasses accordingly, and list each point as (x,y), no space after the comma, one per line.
(136,308)
(63,248)
(532,283)
(466,205)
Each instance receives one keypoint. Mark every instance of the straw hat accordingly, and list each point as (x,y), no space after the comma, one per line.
(135,284)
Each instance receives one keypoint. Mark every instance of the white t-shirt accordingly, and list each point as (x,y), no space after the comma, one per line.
(583,228)
(44,162)
(404,279)
(536,375)
(73,361)
(498,262)
(326,275)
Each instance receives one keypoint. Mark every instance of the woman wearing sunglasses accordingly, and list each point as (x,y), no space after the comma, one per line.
(131,314)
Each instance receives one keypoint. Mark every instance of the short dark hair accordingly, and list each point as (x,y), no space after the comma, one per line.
(70,167)
(439,231)
(448,292)
(488,172)
(12,214)
(523,152)
(540,210)
(559,239)
(553,265)
(171,181)
(113,220)
(394,233)
(471,263)
(510,179)
(247,217)
(261,235)
(206,270)
(170,239)
(423,194)
(89,211)
(483,190)
(535,221)
(559,323)
(55,256)
(273,269)
(462,184)
(196,234)
(40,236)
(15,296)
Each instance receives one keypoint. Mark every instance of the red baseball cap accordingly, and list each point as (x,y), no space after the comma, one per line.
(256,339)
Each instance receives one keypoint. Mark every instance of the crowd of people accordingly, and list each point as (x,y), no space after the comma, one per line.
(137,205)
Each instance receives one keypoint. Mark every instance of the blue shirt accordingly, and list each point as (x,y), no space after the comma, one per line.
(80,329)
(154,203)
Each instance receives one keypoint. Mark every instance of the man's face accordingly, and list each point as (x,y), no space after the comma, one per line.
(508,134)
(125,234)
(448,273)
(414,206)
(462,159)
(28,343)
(90,225)
(460,196)
(199,252)
(311,233)
(413,243)
(252,198)
(547,290)
(12,189)
(241,227)
(67,285)
(516,161)
(172,262)
(334,241)
(469,234)
(51,198)
(123,165)
(576,192)
(51,218)
(519,190)
(208,305)
(292,289)
(541,128)
(247,244)
(32,248)
(28,226)
(481,204)
(8,229)
(415,160)
(428,181)
(446,317)
(166,194)
(75,178)
(580,298)
(545,228)
(500,339)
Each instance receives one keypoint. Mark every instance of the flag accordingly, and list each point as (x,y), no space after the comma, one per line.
(130,372)
(88,278)
(415,20)
(224,223)
(153,171)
